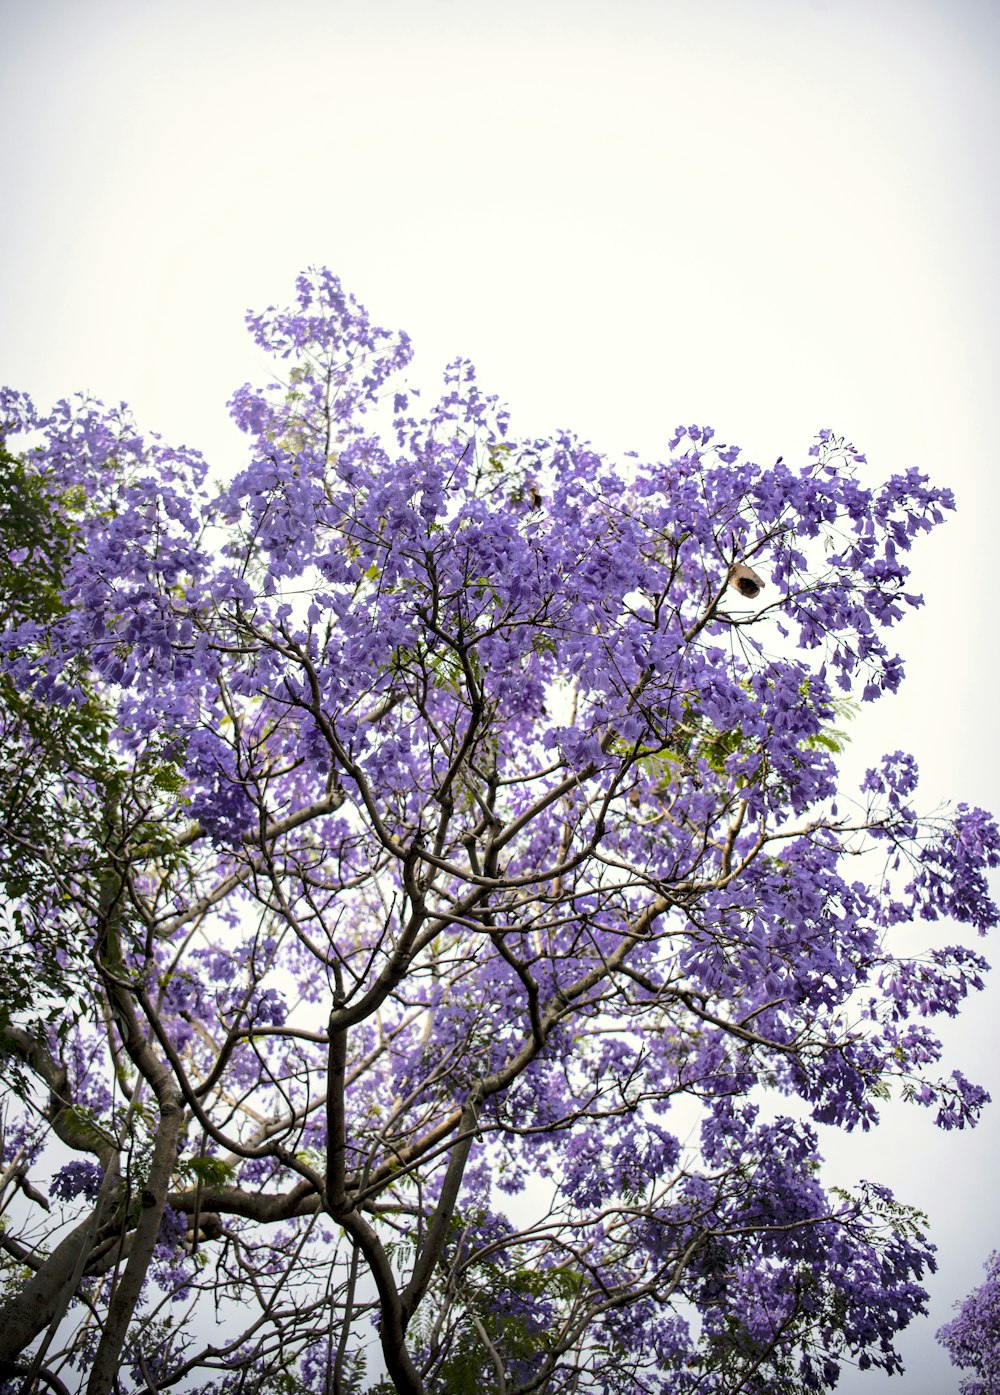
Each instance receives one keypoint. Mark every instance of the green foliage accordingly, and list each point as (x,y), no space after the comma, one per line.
(39,743)
(513,1308)
(38,540)
(58,769)
(211,1172)
(494,1302)
(832,738)
(352,1377)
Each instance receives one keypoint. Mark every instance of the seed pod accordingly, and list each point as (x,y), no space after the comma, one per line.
(745,580)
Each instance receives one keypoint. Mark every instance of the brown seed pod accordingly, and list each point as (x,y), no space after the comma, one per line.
(745,580)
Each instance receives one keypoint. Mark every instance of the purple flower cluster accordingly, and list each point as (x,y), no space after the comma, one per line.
(972,1339)
(77,1178)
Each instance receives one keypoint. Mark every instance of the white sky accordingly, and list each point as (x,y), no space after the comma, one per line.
(767,215)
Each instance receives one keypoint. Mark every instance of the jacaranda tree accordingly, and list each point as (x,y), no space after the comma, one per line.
(450,922)
(972,1339)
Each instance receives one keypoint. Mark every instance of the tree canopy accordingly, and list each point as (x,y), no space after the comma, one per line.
(448,919)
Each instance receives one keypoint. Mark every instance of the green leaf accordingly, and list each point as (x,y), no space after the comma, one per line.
(212,1172)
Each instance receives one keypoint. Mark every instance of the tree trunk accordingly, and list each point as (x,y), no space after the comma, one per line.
(51,1288)
(107,1362)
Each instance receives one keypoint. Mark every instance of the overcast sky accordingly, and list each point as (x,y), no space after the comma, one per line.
(767,215)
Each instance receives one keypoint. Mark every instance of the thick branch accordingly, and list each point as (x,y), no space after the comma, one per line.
(437,1231)
(107,1362)
(71,1128)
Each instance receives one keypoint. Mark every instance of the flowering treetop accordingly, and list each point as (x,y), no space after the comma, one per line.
(454,807)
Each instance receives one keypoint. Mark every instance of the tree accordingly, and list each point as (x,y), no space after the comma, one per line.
(38,739)
(972,1339)
(465,890)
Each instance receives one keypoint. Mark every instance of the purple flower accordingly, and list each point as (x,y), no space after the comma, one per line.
(77,1178)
